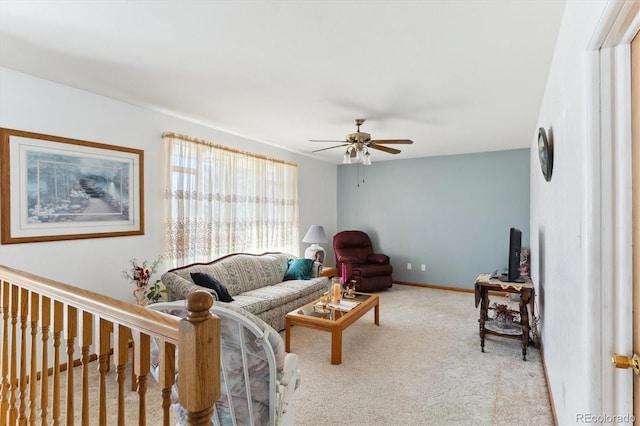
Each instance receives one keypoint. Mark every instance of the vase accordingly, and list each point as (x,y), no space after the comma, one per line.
(501,319)
(138,295)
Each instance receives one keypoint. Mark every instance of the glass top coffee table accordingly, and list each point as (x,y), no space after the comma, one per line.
(333,319)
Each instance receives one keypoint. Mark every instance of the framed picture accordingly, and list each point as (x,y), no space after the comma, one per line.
(54,188)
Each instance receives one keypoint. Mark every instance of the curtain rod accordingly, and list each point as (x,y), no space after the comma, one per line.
(226,148)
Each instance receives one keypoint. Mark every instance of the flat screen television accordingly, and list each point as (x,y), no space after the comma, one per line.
(515,246)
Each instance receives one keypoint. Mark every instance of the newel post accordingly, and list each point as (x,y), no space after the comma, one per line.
(199,359)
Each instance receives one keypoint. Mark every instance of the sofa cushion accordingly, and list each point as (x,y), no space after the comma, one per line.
(299,269)
(242,272)
(206,280)
(270,297)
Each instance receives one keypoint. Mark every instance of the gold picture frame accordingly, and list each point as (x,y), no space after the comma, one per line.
(55,188)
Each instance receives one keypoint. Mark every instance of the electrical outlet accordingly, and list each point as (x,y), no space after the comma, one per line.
(423,267)
(408,266)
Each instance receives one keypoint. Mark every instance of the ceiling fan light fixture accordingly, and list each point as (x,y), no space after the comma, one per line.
(367,159)
(347,157)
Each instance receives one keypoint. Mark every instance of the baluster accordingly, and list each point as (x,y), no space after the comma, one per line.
(4,397)
(166,376)
(33,374)
(13,413)
(134,380)
(104,334)
(24,315)
(121,356)
(142,344)
(87,340)
(44,375)
(72,330)
(58,320)
(199,361)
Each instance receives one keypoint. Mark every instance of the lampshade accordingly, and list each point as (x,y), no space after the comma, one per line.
(315,234)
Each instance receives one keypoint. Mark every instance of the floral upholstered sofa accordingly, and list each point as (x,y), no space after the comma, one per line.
(268,285)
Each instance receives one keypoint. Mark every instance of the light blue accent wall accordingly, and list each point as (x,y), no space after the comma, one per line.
(451,213)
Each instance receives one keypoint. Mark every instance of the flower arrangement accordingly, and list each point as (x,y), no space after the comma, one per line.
(139,275)
(502,312)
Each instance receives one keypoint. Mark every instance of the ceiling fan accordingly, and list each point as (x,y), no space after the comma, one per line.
(358,145)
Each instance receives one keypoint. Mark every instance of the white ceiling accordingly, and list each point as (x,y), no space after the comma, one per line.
(454,76)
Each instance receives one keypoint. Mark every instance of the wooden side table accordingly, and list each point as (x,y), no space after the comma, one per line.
(484,284)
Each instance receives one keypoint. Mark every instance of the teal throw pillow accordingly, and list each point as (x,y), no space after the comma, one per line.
(299,269)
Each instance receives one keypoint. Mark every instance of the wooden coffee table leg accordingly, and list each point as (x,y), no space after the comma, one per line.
(287,334)
(336,347)
(376,314)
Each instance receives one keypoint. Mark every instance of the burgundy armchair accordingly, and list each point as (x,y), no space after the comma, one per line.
(355,260)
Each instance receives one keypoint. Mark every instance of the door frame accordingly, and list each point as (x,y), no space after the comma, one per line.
(608,204)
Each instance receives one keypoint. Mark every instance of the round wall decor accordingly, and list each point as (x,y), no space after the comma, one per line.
(545,153)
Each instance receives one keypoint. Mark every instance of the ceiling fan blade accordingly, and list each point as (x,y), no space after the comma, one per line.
(322,140)
(385,149)
(397,141)
(331,147)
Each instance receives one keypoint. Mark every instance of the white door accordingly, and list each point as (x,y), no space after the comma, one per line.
(613,206)
(635,149)
(634,361)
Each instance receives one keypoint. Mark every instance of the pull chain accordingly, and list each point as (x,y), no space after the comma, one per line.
(360,166)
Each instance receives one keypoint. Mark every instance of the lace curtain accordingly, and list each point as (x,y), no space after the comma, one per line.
(220,201)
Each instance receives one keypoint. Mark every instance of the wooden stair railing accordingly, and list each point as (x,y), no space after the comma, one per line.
(75,317)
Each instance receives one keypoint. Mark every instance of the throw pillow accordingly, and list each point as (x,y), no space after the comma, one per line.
(206,280)
(299,269)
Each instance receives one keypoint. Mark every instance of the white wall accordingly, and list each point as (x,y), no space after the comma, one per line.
(558,218)
(36,105)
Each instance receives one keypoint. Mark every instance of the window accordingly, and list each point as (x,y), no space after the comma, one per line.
(220,201)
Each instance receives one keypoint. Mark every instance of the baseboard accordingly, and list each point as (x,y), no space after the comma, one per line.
(437,287)
(441,287)
(546,379)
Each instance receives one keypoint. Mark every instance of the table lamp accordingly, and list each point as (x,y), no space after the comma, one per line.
(315,235)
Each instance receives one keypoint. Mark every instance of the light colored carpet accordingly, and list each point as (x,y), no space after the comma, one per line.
(421,366)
